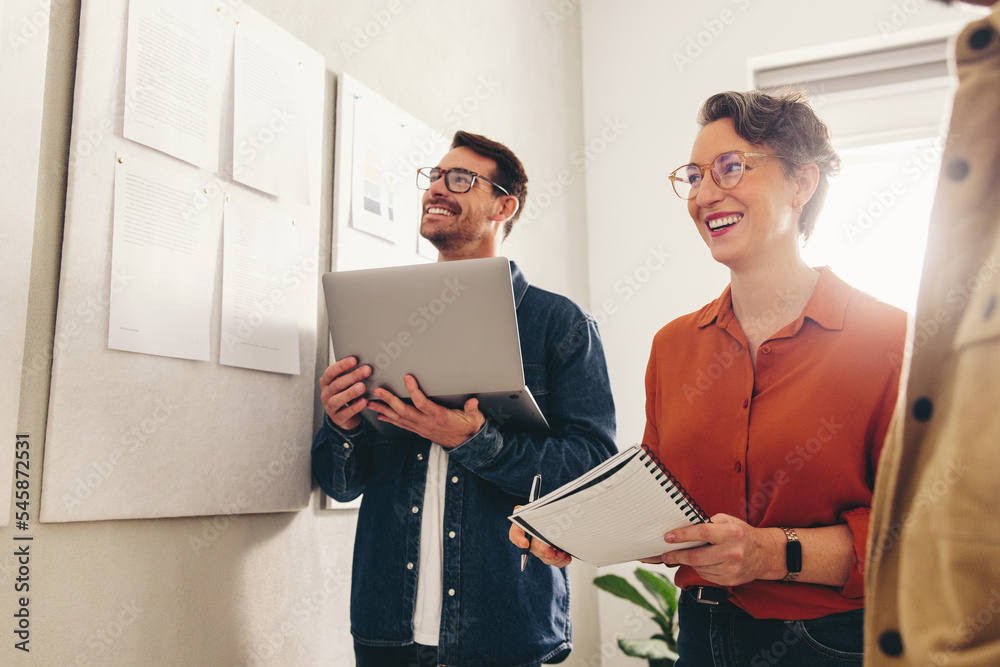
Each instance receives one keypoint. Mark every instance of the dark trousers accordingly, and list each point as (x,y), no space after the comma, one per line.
(413,655)
(726,636)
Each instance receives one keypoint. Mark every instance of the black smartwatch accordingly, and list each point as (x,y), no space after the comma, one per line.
(793,554)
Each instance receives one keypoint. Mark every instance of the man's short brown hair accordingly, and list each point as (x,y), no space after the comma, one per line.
(510,172)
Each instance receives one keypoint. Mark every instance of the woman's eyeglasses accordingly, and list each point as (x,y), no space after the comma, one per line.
(727,170)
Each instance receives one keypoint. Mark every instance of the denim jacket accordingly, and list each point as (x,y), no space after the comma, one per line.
(492,613)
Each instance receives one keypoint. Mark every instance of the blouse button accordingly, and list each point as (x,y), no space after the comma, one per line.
(746,402)
(766,349)
(738,467)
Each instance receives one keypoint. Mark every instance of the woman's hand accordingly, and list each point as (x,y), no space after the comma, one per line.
(545,553)
(735,554)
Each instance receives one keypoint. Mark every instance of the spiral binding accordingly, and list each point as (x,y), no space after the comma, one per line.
(687,504)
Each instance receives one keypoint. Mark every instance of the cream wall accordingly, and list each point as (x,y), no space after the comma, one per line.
(274,589)
(648,65)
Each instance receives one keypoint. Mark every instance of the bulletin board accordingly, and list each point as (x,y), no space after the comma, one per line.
(378,149)
(23,52)
(134,435)
(406,144)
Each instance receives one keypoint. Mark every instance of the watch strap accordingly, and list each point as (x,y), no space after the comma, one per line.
(793,554)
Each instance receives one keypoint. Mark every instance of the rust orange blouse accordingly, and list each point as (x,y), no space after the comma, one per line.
(794,443)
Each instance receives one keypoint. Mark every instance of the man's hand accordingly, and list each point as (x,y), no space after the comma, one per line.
(545,553)
(444,426)
(735,554)
(340,385)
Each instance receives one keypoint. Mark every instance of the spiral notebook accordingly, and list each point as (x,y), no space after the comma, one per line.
(615,513)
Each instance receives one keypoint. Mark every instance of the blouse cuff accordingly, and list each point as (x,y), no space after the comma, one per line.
(857,521)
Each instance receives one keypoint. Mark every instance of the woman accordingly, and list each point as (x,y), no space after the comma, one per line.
(771,403)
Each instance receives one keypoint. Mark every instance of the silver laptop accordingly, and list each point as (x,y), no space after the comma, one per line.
(451,325)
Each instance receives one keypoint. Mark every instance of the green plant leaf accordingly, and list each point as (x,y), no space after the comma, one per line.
(617,586)
(648,649)
(662,589)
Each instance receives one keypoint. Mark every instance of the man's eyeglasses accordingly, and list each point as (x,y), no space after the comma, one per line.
(456,180)
(727,170)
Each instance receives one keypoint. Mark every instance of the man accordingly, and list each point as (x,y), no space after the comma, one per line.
(435,580)
(934,558)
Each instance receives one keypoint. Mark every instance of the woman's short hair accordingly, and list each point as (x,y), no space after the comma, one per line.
(788,126)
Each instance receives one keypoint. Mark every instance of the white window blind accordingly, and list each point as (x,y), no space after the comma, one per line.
(897,93)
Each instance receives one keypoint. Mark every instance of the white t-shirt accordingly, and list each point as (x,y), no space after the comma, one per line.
(427,611)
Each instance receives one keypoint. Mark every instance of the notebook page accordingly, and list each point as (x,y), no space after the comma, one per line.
(607,467)
(619,519)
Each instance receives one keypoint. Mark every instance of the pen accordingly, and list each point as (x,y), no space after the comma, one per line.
(536,485)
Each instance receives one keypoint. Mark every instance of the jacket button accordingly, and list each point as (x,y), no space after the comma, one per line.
(451,534)
(989,307)
(420,457)
(415,510)
(923,408)
(981,38)
(891,643)
(409,566)
(957,169)
(454,480)
(451,592)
